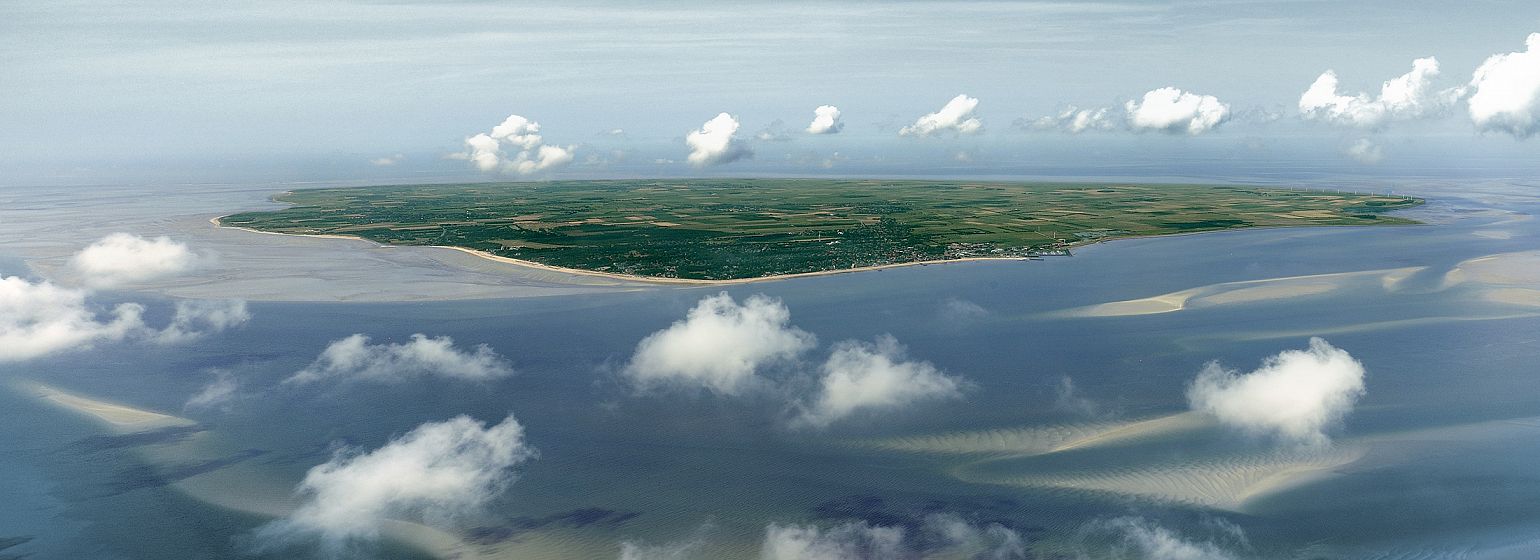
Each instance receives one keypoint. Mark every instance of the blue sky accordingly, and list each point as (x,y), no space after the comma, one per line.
(96,91)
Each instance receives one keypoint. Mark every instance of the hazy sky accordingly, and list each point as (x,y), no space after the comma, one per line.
(328,89)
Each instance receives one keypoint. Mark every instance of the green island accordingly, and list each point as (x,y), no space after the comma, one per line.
(735,229)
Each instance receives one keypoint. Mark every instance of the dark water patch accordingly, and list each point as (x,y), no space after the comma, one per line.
(99,443)
(145,476)
(871,509)
(575,519)
(313,454)
(7,543)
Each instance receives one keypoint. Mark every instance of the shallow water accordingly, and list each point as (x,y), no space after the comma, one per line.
(1436,461)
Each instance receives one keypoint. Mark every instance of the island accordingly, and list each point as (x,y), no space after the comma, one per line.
(723,230)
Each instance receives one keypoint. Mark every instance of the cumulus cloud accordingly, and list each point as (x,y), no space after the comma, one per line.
(518,131)
(434,474)
(715,143)
(195,319)
(1293,396)
(40,318)
(216,394)
(1365,151)
(1408,96)
(354,358)
(522,138)
(1136,538)
(543,158)
(124,258)
(851,541)
(1506,91)
(826,120)
(944,535)
(961,538)
(1174,111)
(860,376)
(719,345)
(955,117)
(1073,120)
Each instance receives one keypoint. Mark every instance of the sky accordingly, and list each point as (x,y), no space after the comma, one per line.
(98,92)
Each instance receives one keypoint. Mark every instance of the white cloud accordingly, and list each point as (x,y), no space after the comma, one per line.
(434,474)
(956,116)
(125,258)
(860,376)
(387,161)
(354,358)
(715,143)
(518,131)
(1174,111)
(943,535)
(961,538)
(826,120)
(1137,538)
(1365,151)
(1067,398)
(719,345)
(851,541)
(1074,120)
(485,151)
(195,319)
(1506,91)
(40,318)
(545,157)
(1294,395)
(957,310)
(1408,96)
(218,393)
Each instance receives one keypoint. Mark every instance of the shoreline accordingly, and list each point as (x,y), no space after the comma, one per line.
(661,281)
(632,277)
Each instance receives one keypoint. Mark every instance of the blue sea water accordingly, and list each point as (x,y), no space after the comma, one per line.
(1446,418)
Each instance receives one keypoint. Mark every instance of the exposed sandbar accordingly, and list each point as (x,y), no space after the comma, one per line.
(120,418)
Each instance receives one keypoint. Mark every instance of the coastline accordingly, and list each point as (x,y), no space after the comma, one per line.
(661,281)
(632,277)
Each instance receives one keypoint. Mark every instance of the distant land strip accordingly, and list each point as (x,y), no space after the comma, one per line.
(712,231)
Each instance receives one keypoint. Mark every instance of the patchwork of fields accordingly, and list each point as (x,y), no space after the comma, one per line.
(725,229)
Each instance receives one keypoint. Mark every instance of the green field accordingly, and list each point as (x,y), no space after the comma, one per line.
(746,228)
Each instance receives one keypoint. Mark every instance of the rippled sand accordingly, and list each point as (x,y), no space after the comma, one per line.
(1225,482)
(1221,481)
(1038,440)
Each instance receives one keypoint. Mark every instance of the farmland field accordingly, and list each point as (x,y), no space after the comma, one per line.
(727,229)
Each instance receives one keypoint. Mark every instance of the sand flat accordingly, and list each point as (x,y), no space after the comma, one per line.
(1242,292)
(120,418)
